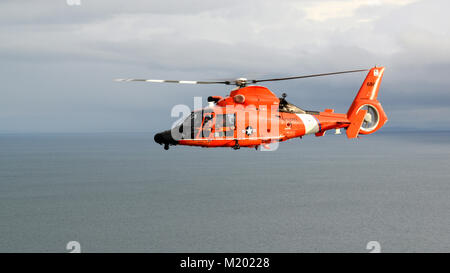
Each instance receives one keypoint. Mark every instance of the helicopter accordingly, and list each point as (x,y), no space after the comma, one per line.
(253,116)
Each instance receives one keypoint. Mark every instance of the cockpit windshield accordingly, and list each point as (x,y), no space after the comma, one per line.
(197,125)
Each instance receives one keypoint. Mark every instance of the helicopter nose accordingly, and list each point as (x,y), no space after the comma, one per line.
(165,138)
(159,138)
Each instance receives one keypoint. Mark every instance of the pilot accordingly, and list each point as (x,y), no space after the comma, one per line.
(283,102)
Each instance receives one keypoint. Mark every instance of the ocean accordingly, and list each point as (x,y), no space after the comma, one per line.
(121,192)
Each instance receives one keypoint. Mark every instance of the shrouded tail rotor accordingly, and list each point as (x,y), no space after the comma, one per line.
(371,118)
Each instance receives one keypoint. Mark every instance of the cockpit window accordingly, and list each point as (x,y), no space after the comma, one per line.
(207,118)
(207,124)
(192,125)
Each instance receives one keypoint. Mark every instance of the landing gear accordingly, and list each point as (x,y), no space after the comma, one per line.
(166,147)
(236,145)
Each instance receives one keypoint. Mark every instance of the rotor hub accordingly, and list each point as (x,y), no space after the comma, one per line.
(241,82)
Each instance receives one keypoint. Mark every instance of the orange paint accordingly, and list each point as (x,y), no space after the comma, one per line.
(259,121)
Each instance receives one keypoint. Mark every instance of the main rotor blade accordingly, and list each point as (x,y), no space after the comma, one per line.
(239,81)
(173,81)
(308,76)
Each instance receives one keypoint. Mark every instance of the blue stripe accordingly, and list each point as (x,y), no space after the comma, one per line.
(318,122)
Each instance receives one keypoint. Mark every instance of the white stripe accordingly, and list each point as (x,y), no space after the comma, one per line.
(311,125)
(188,82)
(154,80)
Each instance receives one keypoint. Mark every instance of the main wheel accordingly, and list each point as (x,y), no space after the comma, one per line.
(236,146)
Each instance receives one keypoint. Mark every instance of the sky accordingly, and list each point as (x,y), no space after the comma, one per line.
(58,60)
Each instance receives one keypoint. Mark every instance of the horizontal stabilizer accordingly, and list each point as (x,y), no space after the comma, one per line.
(355,124)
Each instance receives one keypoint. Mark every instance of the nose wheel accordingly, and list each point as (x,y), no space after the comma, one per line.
(166,147)
(236,145)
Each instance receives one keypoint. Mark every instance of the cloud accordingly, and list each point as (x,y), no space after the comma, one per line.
(325,10)
(59,60)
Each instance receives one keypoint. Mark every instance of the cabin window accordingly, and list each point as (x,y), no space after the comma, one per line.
(225,124)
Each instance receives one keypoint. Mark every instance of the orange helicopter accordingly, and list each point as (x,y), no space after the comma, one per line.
(252,116)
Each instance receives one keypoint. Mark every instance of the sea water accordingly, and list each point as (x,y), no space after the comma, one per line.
(121,192)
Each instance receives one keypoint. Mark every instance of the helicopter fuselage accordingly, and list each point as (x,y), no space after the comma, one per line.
(249,117)
(252,116)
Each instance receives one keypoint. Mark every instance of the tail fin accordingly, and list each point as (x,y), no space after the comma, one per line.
(366,114)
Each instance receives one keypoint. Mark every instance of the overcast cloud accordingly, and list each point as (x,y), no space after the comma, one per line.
(58,61)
